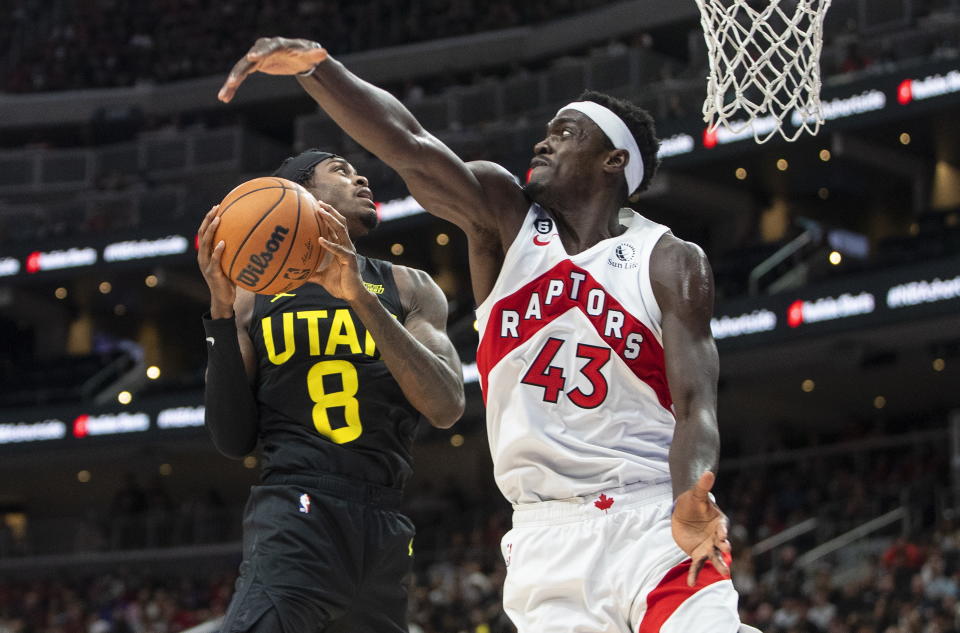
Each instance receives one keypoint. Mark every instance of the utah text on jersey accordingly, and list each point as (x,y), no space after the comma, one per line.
(328,333)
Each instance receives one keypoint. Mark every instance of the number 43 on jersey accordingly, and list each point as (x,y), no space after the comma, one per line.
(543,373)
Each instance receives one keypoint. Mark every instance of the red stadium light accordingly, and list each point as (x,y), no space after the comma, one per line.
(33,262)
(709,138)
(795,314)
(905,91)
(80,425)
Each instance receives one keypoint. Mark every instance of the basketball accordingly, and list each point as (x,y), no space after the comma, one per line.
(270,233)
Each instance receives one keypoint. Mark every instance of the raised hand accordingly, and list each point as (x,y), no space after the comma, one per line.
(700,528)
(223,291)
(339,271)
(273,56)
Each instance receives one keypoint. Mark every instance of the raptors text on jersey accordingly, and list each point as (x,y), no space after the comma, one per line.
(572,367)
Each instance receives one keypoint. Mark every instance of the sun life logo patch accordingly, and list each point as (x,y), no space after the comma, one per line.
(625,255)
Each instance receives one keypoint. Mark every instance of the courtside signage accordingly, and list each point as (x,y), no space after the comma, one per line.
(32,431)
(470,373)
(85,425)
(935,85)
(9,266)
(109,424)
(748,323)
(831,109)
(846,305)
(180,417)
(39,261)
(81,256)
(676,145)
(145,249)
(399,208)
(915,293)
(842,107)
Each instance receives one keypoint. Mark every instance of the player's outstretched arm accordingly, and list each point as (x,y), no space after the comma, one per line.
(418,352)
(435,175)
(230,410)
(683,285)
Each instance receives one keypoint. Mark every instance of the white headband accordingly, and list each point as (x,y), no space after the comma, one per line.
(618,133)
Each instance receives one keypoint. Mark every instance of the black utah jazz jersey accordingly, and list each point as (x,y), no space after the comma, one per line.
(327,403)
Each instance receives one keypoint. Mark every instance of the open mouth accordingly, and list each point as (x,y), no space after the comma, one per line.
(538,162)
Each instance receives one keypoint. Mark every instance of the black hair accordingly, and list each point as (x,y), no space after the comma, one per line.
(299,168)
(640,123)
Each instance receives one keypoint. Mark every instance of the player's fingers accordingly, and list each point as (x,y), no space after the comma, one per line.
(695,566)
(217,255)
(214,267)
(328,222)
(240,71)
(331,210)
(208,218)
(337,228)
(266,45)
(717,559)
(341,253)
(207,239)
(316,55)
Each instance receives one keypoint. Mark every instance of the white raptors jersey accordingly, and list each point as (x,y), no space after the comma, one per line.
(571,365)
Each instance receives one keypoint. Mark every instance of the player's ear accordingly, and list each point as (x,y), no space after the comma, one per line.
(616,160)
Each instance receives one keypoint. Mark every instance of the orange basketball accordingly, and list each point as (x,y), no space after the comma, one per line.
(270,233)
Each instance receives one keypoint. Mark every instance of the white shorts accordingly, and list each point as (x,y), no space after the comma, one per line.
(608,564)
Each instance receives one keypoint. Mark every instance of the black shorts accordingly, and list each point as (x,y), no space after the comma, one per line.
(324,554)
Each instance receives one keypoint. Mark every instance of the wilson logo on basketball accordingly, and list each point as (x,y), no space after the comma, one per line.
(257,264)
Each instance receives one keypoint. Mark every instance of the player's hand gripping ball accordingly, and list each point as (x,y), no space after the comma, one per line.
(271,232)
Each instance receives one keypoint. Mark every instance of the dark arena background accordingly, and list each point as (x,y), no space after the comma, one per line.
(836,258)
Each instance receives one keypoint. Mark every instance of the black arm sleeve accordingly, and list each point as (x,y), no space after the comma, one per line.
(230,408)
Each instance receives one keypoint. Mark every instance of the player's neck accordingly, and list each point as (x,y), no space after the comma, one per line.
(585,222)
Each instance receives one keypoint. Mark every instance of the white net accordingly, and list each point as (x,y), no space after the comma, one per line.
(764,66)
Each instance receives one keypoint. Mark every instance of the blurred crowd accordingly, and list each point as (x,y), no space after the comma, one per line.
(68,45)
(911,587)
(903,579)
(121,602)
(138,517)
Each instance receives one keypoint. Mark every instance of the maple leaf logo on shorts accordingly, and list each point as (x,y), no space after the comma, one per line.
(604,502)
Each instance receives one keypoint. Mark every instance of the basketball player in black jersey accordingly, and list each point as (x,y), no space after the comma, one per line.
(329,379)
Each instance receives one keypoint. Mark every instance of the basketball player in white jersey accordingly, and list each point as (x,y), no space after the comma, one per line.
(597,362)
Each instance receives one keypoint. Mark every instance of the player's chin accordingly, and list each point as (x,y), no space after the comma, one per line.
(536,190)
(369,218)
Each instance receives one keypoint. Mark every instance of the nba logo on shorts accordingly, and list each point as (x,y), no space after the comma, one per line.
(305,503)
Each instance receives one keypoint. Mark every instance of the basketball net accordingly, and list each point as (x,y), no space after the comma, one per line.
(764,66)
